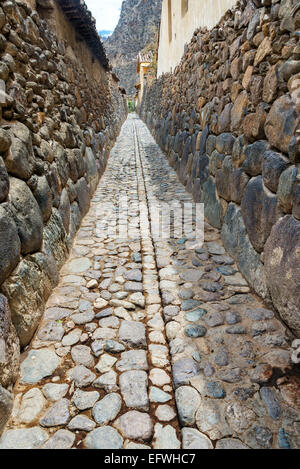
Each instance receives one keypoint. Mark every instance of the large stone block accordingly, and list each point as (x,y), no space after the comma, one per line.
(253,157)
(273,165)
(65,209)
(223,179)
(259,210)
(212,205)
(75,220)
(6,405)
(83,196)
(281,123)
(282,266)
(4,181)
(27,216)
(10,245)
(20,160)
(239,110)
(238,183)
(287,186)
(26,291)
(9,346)
(62,164)
(55,240)
(91,170)
(43,195)
(238,245)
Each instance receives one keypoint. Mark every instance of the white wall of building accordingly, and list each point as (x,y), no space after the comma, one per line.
(200,13)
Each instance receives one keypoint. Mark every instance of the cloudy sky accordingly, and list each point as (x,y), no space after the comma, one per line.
(106,12)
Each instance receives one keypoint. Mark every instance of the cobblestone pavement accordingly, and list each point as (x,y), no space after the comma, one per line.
(151,343)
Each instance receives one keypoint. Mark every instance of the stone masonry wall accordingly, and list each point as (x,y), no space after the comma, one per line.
(59,118)
(228,119)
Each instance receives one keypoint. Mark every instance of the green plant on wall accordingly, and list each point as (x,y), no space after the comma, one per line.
(131,106)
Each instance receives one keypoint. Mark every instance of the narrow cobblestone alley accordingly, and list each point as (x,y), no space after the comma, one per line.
(152,343)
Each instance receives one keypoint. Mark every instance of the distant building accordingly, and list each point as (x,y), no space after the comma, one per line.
(180,19)
(144,63)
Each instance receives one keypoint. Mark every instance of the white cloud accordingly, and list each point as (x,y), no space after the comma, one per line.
(106,12)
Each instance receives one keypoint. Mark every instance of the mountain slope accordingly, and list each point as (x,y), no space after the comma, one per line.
(138,25)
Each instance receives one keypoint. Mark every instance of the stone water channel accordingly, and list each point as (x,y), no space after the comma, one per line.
(152,343)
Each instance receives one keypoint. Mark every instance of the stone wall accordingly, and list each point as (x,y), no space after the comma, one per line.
(60,112)
(228,119)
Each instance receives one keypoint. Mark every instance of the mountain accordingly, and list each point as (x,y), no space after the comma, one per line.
(138,25)
(105,34)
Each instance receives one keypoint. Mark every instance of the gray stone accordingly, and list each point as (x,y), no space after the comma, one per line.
(135,426)
(193,439)
(271,402)
(281,123)
(31,406)
(157,395)
(20,159)
(213,319)
(195,331)
(10,247)
(133,385)
(133,360)
(43,195)
(165,413)
(9,348)
(165,437)
(85,400)
(38,365)
(212,205)
(62,439)
(83,318)
(273,165)
(54,392)
(81,423)
(230,376)
(107,381)
(260,212)
(57,415)
(237,243)
(133,334)
(287,188)
(25,438)
(104,438)
(82,376)
(189,304)
(191,275)
(6,405)
(239,417)
(215,390)
(111,346)
(83,196)
(4,181)
(183,370)
(170,312)
(51,331)
(134,275)
(230,443)
(27,216)
(107,409)
(188,401)
(254,158)
(133,287)
(282,270)
(81,354)
(72,338)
